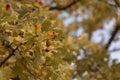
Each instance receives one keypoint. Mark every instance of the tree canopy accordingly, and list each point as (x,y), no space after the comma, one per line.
(35,44)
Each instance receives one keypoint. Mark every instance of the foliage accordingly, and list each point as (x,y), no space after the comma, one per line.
(35,45)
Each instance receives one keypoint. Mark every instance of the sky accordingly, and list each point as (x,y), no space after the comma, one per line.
(98,36)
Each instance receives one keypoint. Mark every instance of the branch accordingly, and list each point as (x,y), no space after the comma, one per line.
(117,3)
(112,36)
(115,30)
(10,55)
(75,1)
(66,7)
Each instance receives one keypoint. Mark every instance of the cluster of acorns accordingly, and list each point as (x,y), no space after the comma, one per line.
(50,35)
(47,49)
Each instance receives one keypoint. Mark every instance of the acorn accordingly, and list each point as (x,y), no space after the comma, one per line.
(47,49)
(48,43)
(8,33)
(7,7)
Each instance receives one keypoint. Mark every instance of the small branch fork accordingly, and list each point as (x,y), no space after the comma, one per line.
(10,54)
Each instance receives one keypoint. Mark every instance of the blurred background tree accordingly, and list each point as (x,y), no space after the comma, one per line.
(55,39)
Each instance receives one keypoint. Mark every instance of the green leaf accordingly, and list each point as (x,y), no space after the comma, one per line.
(46,26)
(24,10)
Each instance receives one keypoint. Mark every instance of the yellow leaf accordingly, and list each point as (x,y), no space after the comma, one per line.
(69,40)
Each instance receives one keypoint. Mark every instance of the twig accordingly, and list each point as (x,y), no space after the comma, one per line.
(66,7)
(117,27)
(10,55)
(112,36)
